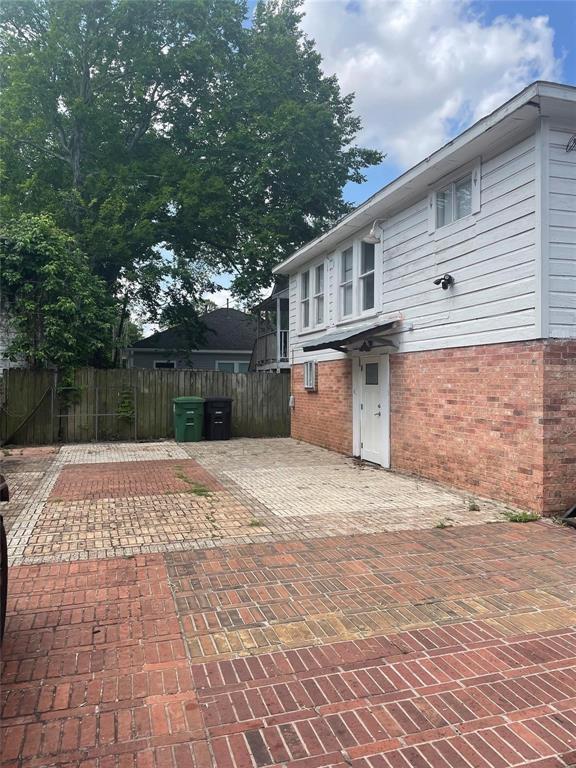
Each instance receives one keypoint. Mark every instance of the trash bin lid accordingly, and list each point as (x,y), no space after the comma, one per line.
(188,399)
(215,399)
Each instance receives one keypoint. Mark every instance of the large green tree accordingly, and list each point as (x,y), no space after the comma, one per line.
(165,135)
(60,314)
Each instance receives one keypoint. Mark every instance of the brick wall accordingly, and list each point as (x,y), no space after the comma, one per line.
(471,417)
(559,425)
(324,417)
(497,420)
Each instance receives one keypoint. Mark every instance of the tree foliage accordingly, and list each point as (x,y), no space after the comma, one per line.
(59,312)
(172,123)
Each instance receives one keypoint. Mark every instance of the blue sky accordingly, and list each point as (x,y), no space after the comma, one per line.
(561,16)
(424,70)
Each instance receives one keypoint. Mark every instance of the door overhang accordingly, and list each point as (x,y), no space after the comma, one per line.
(363,339)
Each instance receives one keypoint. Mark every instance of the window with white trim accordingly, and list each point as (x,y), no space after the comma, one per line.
(312,297)
(366,276)
(305,299)
(232,366)
(310,375)
(347,282)
(454,201)
(319,294)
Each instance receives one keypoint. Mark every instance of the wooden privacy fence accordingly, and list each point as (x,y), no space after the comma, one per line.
(133,404)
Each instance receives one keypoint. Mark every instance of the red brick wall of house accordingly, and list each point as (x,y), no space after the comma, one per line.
(559,425)
(471,417)
(497,420)
(324,417)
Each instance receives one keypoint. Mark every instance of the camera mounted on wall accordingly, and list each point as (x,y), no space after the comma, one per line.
(445,281)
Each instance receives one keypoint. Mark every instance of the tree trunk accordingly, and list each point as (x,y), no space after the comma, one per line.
(121,324)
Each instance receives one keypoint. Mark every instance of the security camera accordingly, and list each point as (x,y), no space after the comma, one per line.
(445,281)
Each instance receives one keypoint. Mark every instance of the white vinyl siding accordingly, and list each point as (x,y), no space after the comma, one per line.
(490,253)
(562,235)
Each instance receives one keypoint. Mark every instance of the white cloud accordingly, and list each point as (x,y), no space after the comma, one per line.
(422,70)
(221,298)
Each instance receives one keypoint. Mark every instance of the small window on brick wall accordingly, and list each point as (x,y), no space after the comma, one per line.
(310,375)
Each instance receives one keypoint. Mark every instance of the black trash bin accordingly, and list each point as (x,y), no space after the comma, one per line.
(217,418)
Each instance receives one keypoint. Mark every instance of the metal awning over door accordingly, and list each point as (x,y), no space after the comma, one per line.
(362,339)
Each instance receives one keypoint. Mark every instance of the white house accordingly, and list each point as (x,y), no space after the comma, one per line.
(433,329)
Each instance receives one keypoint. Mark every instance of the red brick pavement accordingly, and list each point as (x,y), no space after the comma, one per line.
(95,669)
(109,480)
(98,674)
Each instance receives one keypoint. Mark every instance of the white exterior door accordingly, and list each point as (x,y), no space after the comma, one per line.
(374,410)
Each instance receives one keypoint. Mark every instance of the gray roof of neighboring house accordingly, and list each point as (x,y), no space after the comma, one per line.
(225,329)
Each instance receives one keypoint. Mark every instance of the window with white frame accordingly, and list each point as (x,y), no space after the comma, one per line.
(347,282)
(310,375)
(232,366)
(319,294)
(305,299)
(366,276)
(454,201)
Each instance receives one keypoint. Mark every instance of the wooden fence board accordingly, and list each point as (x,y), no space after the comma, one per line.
(30,404)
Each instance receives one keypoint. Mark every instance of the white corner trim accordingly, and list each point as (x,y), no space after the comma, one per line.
(542,233)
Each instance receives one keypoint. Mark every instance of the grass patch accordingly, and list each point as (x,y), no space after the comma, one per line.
(196,488)
(199,490)
(520,517)
(255,523)
(446,522)
(473,505)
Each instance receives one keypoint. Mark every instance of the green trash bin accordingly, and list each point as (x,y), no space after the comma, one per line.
(188,419)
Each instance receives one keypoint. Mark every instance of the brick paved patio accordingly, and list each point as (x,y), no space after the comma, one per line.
(276,605)
(453,648)
(111,500)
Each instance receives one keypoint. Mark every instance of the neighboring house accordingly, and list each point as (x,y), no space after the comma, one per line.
(470,380)
(271,348)
(227,346)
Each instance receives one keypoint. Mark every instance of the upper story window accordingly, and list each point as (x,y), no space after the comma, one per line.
(367,265)
(347,282)
(305,299)
(319,295)
(454,201)
(312,297)
(358,269)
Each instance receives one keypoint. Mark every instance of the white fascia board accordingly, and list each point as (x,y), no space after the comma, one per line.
(411,180)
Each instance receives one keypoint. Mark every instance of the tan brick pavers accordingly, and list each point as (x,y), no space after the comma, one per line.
(24,470)
(109,500)
(100,671)
(111,527)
